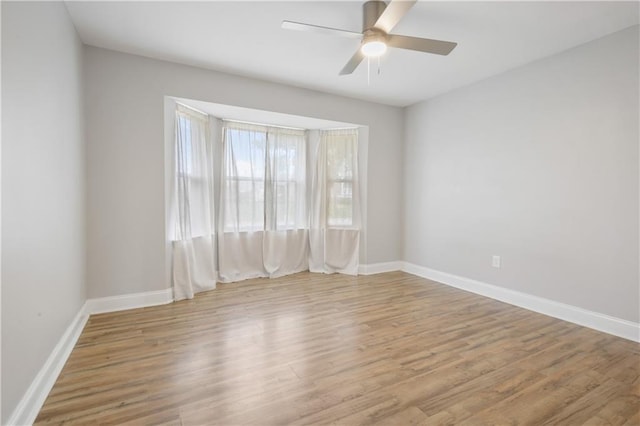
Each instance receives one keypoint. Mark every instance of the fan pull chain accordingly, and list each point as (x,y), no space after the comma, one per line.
(368,71)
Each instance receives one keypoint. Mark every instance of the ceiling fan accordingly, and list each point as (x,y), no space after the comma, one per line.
(378,19)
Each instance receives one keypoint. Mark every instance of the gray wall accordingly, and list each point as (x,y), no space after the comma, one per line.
(125,159)
(42,188)
(538,165)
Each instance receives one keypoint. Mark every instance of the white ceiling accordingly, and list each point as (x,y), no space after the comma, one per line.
(245,38)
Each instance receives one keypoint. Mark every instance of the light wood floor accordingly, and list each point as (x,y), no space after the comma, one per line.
(329,349)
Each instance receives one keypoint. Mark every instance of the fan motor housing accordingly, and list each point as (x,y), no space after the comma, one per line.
(371,11)
(374,35)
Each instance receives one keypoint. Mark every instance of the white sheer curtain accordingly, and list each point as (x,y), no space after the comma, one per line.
(193,239)
(334,234)
(262,230)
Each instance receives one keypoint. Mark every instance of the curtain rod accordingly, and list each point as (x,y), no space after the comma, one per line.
(340,128)
(262,124)
(287,127)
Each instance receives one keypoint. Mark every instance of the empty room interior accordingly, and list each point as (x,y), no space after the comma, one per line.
(320,212)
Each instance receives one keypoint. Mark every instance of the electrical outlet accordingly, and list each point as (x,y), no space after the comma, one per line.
(495,261)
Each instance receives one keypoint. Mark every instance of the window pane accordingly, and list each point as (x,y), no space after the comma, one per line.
(288,206)
(340,159)
(199,207)
(341,152)
(244,205)
(184,154)
(287,175)
(264,162)
(340,204)
(193,197)
(245,153)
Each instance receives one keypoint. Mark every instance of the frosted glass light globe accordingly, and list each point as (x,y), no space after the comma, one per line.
(373,48)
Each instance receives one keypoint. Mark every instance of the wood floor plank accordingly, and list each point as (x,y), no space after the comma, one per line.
(386,349)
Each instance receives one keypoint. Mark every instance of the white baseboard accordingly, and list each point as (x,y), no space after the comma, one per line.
(31,403)
(29,406)
(597,321)
(378,268)
(129,301)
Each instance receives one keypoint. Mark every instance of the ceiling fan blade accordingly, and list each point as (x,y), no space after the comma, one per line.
(299,26)
(353,63)
(427,45)
(393,13)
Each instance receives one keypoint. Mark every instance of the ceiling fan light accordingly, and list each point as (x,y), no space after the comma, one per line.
(373,48)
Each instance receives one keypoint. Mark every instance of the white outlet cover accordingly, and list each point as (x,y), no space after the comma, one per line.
(495,261)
